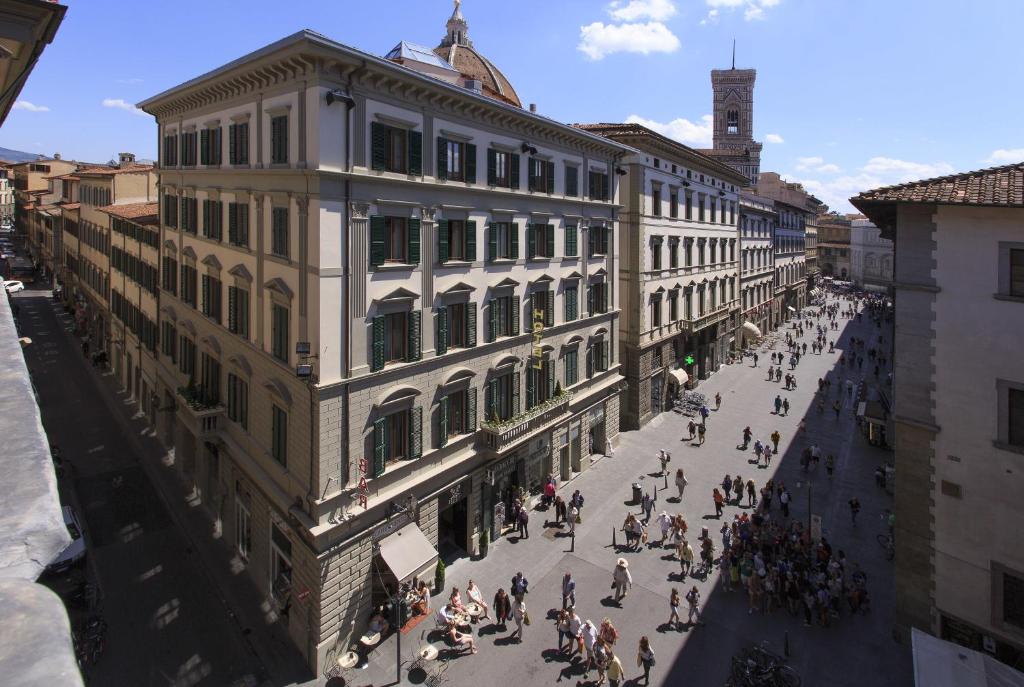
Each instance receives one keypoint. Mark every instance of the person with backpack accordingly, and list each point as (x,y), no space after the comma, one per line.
(520,586)
(701,431)
(645,658)
(693,601)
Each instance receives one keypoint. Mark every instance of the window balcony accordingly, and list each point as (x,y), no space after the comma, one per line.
(504,434)
(718,313)
(202,417)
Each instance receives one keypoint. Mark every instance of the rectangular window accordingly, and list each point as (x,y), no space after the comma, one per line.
(599,238)
(457,240)
(189,214)
(673,306)
(279,140)
(656,311)
(700,207)
(1015,417)
(570,365)
(571,247)
(169,341)
(656,253)
(597,185)
(502,239)
(673,204)
(213,219)
(238,400)
(395,239)
(540,241)
(188,149)
(238,224)
(209,388)
(211,305)
(188,285)
(238,144)
(457,414)
(504,316)
(280,562)
(170,210)
(243,529)
(279,435)
(279,242)
(169,282)
(456,325)
(238,311)
(656,200)
(542,175)
(210,147)
(542,305)
(279,332)
(572,181)
(187,358)
(701,252)
(503,396)
(396,336)
(1017,272)
(396,436)
(502,169)
(171,151)
(598,298)
(571,297)
(456,161)
(689,205)
(673,253)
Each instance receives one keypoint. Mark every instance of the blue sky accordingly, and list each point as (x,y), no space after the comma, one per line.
(856,93)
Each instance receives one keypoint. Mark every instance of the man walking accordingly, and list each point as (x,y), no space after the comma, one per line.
(755,360)
(621,579)
(746,437)
(776,437)
(854,509)
(568,591)
(693,601)
(785,407)
(778,404)
(692,426)
(701,430)
(524,523)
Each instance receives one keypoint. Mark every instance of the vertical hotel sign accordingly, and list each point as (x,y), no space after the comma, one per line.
(538,332)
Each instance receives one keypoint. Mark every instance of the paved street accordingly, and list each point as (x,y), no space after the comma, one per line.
(854,650)
(168,624)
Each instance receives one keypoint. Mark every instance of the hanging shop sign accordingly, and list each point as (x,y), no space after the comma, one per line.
(364,489)
(538,332)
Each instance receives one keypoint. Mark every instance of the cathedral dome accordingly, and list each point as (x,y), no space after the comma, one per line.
(458,51)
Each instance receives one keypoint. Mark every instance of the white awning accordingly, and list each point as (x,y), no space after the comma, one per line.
(408,552)
(938,663)
(791,308)
(751,329)
(680,376)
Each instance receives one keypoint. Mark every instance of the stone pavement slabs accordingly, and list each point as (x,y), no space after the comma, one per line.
(852,650)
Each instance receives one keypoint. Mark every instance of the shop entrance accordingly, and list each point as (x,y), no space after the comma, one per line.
(452,525)
(597,439)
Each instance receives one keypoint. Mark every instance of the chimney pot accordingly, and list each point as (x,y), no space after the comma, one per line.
(533,107)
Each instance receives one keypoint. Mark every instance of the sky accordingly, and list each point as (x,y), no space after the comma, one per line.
(850,94)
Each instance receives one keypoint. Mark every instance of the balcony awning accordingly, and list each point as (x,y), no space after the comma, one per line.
(751,329)
(408,552)
(680,376)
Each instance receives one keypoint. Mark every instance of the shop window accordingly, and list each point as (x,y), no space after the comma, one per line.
(280,563)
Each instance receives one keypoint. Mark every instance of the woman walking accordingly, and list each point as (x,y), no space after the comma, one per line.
(521,617)
(680,483)
(717,497)
(645,658)
(502,608)
(727,488)
(621,579)
(685,553)
(673,606)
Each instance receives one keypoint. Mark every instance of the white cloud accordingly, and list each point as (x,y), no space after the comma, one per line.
(877,172)
(1005,156)
(683,130)
(598,39)
(902,170)
(30,107)
(774,138)
(122,104)
(753,10)
(656,10)
(816,164)
(829,169)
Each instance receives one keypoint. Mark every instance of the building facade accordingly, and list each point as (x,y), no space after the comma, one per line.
(811,250)
(959,404)
(871,256)
(679,268)
(6,194)
(758,305)
(387,308)
(794,208)
(834,246)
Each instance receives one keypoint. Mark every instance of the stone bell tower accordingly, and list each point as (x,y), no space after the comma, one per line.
(734,142)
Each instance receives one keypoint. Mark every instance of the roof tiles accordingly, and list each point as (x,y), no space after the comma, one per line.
(996,186)
(132,211)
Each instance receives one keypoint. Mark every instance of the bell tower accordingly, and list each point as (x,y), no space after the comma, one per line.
(733,134)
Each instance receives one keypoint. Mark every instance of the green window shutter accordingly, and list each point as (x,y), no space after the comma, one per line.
(549,311)
(442,158)
(413,226)
(492,167)
(469,425)
(377,240)
(233,143)
(590,362)
(514,170)
(415,153)
(531,177)
(379,143)
(551,176)
(205,305)
(516,307)
(604,187)
(442,240)
(549,369)
(380,433)
(515,394)
(492,319)
(530,393)
(471,163)
(442,330)
(570,241)
(232,304)
(567,297)
(415,433)
(470,325)
(531,241)
(413,352)
(377,360)
(549,234)
(442,422)
(233,223)
(470,251)
(514,230)
(572,181)
(490,400)
(492,243)
(204,146)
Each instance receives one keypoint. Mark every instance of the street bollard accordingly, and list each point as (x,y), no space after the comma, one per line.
(572,541)
(655,492)
(666,481)
(614,545)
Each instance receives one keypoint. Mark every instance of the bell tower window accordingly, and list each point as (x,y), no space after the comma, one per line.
(732,122)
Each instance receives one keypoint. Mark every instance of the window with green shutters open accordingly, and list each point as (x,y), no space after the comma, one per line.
(456,161)
(210,147)
(169,341)
(169,280)
(171,210)
(170,151)
(279,140)
(503,317)
(279,332)
(394,149)
(599,238)
(188,149)
(456,240)
(213,219)
(456,415)
(597,185)
(597,298)
(238,224)
(502,169)
(238,400)
(456,327)
(279,434)
(189,213)
(542,302)
(570,367)
(238,143)
(189,284)
(238,311)
(396,337)
(540,383)
(571,295)
(571,245)
(572,181)
(398,436)
(502,241)
(540,241)
(211,301)
(501,396)
(209,380)
(394,240)
(542,175)
(597,357)
(279,239)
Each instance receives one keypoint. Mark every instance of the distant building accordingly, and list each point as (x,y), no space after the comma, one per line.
(733,121)
(959,404)
(795,208)
(870,256)
(758,306)
(834,246)
(6,194)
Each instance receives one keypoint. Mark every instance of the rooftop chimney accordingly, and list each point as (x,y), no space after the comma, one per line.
(475,85)
(533,107)
(56,156)
(124,159)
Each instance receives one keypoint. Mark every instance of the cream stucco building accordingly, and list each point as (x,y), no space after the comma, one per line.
(870,256)
(958,404)
(387,309)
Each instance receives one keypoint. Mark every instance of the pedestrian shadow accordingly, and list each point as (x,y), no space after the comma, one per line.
(507,640)
(555,656)
(664,628)
(492,629)
(552,613)
(610,602)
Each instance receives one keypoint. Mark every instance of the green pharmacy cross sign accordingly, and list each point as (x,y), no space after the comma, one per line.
(689,360)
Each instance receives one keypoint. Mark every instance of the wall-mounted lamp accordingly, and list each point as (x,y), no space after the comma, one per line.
(341,96)
(620,171)
(527,148)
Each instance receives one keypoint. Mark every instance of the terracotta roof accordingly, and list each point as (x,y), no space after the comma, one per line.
(104,170)
(999,186)
(61,176)
(132,211)
(472,64)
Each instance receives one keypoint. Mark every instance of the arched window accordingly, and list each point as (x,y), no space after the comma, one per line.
(732,122)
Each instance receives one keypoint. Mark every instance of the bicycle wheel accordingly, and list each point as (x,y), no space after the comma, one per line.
(784,676)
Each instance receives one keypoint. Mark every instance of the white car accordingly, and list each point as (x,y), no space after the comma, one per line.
(13,286)
(76,549)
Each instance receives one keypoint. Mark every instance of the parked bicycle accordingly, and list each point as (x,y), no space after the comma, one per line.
(756,666)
